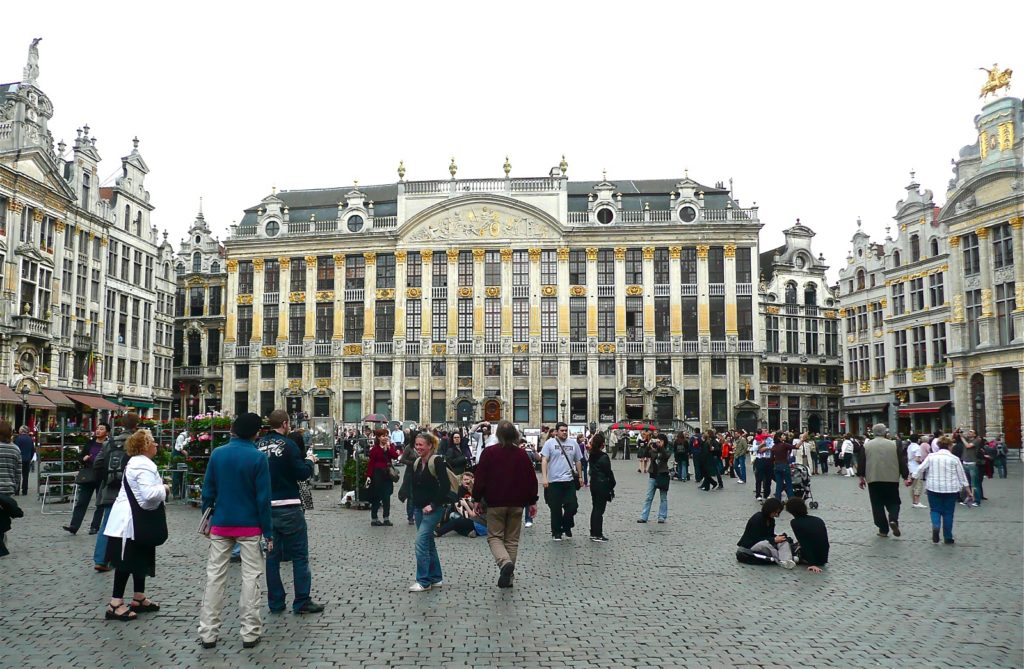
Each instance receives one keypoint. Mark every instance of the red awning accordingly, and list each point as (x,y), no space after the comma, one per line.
(58,398)
(37,401)
(93,401)
(8,396)
(923,407)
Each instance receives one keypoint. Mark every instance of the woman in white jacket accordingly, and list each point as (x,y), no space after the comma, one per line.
(129,557)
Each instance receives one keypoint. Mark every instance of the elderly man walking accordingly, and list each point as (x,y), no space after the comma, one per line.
(881,466)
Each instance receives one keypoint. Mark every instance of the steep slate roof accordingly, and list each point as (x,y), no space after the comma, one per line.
(766,260)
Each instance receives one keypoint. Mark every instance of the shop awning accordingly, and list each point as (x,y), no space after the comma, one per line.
(8,396)
(867,408)
(139,404)
(37,401)
(923,407)
(93,402)
(58,398)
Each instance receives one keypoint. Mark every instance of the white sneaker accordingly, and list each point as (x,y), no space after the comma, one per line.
(439,584)
(919,506)
(787,564)
(741,481)
(529,523)
(416,587)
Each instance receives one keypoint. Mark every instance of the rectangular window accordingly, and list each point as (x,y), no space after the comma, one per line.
(635,318)
(605,367)
(438,406)
(492,268)
(439,321)
(862,318)
(916,294)
(439,273)
(384,320)
(548,268)
(267,371)
(920,348)
(661,266)
(876,315)
(971,254)
(792,375)
(355,272)
(743,270)
(811,336)
(382,368)
(662,366)
(269,325)
(297,283)
(745,318)
(520,367)
(492,320)
(294,370)
(1006,302)
(746,366)
(271,276)
(412,405)
(689,305)
(324,322)
(322,370)
(464,368)
(577,267)
(691,405)
(385,270)
(716,264)
(548,367)
(465,307)
(899,339)
(578,406)
(438,369)
(578,367)
(662,320)
(492,368)
(352,370)
(832,338)
(577,319)
(716,311)
(466,269)
(688,265)
(1002,246)
(634,367)
(520,320)
(936,290)
(242,402)
(634,267)
(792,335)
(939,344)
(195,300)
(606,268)
(898,300)
(413,320)
(325,272)
(548,319)
(719,406)
(549,405)
(412,369)
(718,367)
(521,406)
(972,312)
(352,406)
(245,277)
(353,322)
(244,332)
(414,279)
(520,268)
(296,323)
(606,319)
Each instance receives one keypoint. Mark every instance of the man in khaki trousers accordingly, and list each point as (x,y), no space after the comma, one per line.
(506,483)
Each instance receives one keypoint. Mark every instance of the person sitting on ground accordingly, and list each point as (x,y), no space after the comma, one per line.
(811,535)
(759,535)
(462,518)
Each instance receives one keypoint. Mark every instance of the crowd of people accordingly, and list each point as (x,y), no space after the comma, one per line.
(484,481)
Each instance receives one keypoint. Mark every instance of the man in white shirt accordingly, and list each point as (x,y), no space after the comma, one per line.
(847,451)
(916,453)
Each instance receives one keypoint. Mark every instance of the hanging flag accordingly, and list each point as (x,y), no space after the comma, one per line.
(91,373)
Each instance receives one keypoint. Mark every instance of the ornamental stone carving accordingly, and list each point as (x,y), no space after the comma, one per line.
(414,293)
(702,251)
(478,255)
(954,241)
(520,349)
(481,222)
(257,264)
(453,255)
(245,299)
(578,291)
(620,253)
(606,348)
(59,226)
(370,257)
(986,302)
(591,254)
(325,296)
(284,262)
(648,253)
(506,255)
(548,291)
(232,265)
(352,349)
(400,256)
(297,296)
(674,252)
(493,291)
(830,314)
(634,291)
(465,291)
(982,233)
(385,293)
(269,351)
(563,254)
(311,261)
(427,256)
(772,310)
(730,251)
(534,255)
(438,349)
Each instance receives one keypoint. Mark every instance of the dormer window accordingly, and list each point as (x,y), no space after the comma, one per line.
(86,181)
(687,214)
(860,279)
(895,258)
(197,262)
(272,228)
(933,247)
(605,215)
(355,223)
(915,248)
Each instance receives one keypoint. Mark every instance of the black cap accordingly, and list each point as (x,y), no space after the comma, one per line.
(247,425)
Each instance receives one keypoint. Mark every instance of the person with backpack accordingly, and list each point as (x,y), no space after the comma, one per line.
(506,483)
(109,468)
(681,448)
(428,485)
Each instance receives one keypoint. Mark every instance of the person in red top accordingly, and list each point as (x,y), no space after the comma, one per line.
(378,478)
(506,482)
(780,464)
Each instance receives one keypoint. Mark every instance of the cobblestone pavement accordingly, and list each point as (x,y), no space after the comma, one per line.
(655,596)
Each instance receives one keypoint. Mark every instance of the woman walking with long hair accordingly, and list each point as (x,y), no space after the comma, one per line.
(602,486)
(426,484)
(378,476)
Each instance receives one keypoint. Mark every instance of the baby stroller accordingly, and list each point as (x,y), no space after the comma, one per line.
(802,483)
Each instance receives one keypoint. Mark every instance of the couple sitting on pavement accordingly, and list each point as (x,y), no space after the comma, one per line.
(462,517)
(759,537)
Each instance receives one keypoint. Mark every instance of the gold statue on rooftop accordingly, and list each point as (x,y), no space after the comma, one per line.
(996,79)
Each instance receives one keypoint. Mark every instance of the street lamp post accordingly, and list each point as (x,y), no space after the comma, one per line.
(563,405)
(24,405)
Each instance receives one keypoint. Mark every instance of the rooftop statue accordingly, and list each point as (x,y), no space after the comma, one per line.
(31,72)
(996,80)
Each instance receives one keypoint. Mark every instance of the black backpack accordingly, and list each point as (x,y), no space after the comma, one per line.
(117,459)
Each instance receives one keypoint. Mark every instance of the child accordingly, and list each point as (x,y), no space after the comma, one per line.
(811,535)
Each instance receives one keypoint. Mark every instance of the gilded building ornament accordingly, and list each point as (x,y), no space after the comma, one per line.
(1006,136)
(257,264)
(996,80)
(269,351)
(414,293)
(620,253)
(918,376)
(286,262)
(520,348)
(506,255)
(453,255)
(606,348)
(884,302)
(245,299)
(385,293)
(427,256)
(232,265)
(323,384)
(478,255)
(634,291)
(954,241)
(958,309)
(465,291)
(1019,290)
(865,386)
(59,226)
(294,384)
(325,296)
(986,302)
(297,296)
(563,254)
(730,251)
(466,382)
(493,291)
(648,253)
(37,216)
(850,339)
(591,254)
(578,291)
(830,314)
(438,349)
(400,256)
(702,251)
(104,241)
(311,261)
(370,257)
(842,313)
(548,291)
(772,310)
(534,255)
(1016,222)
(982,233)
(674,252)
(352,349)
(903,227)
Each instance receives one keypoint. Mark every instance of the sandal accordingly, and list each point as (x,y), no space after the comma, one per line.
(144,605)
(112,614)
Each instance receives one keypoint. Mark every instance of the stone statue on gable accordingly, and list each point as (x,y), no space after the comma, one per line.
(31,72)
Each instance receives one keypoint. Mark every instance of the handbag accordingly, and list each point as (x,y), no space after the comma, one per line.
(205,522)
(393,473)
(149,525)
(306,494)
(572,470)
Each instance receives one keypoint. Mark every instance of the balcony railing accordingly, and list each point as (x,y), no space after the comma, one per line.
(492,348)
(689,289)
(899,378)
(662,347)
(464,348)
(353,294)
(743,289)
(271,298)
(520,291)
(745,346)
(295,350)
(718,347)
(439,292)
(691,346)
(189,371)
(578,347)
(322,348)
(606,291)
(383,348)
(661,290)
(241,351)
(412,347)
(633,347)
(549,347)
(385,222)
(716,289)
(29,325)
(82,342)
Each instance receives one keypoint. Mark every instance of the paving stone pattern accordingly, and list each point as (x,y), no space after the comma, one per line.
(667,595)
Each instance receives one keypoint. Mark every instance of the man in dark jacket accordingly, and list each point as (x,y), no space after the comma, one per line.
(288,467)
(109,467)
(27,446)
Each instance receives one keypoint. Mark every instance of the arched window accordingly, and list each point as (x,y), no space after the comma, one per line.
(860,279)
(180,268)
(127,217)
(810,295)
(138,223)
(215,267)
(195,349)
(791,292)
(197,262)
(933,247)
(895,258)
(915,248)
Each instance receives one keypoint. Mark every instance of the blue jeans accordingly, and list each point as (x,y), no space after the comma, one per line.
(974,474)
(740,465)
(99,554)
(652,485)
(291,542)
(428,564)
(783,476)
(943,504)
(683,470)
(585,465)
(526,514)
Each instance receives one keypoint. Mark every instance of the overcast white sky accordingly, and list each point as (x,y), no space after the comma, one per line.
(814,112)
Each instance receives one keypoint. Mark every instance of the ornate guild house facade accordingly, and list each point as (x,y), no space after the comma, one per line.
(532,299)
